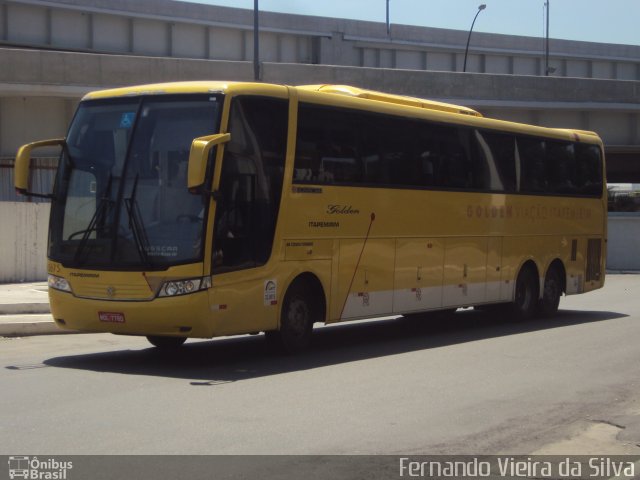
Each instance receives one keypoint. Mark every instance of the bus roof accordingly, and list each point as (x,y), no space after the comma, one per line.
(189,87)
(258,88)
(391,98)
(238,87)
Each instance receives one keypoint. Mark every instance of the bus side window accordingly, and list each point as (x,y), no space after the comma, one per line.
(498,162)
(561,167)
(533,175)
(327,146)
(588,169)
(395,140)
(456,166)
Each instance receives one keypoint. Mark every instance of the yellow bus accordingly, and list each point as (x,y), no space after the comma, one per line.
(203,209)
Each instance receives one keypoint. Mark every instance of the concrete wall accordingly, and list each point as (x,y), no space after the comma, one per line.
(21,115)
(623,248)
(40,91)
(23,238)
(166,28)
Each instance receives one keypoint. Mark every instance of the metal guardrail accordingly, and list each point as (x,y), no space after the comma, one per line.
(623,201)
(43,171)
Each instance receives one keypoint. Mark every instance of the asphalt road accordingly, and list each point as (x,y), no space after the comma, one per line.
(467,384)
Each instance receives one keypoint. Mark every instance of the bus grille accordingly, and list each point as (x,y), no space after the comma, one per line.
(594,252)
(111,291)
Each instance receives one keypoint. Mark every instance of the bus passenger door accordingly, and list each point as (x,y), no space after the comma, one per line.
(418,274)
(465,271)
(247,205)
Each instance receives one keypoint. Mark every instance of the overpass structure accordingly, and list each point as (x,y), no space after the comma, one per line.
(54,51)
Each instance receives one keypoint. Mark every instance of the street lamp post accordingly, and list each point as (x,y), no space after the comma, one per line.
(388,20)
(546,46)
(256,42)
(466,50)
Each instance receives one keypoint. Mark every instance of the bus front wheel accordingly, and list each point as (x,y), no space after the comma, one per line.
(296,322)
(166,343)
(526,295)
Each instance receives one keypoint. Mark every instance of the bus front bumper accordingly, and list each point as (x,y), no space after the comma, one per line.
(184,315)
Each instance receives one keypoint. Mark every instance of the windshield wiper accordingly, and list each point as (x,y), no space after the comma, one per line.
(137,226)
(98,216)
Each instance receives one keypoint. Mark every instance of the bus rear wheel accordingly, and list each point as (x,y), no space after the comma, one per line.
(548,304)
(296,322)
(526,296)
(166,343)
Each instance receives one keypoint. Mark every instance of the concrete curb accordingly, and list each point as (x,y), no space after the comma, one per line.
(24,308)
(28,325)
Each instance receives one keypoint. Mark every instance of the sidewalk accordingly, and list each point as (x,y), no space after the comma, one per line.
(24,310)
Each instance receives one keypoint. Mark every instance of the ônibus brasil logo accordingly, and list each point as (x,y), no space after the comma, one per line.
(33,468)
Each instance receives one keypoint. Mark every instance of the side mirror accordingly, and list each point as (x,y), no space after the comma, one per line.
(199,155)
(23,162)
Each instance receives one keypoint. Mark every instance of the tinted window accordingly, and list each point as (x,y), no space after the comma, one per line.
(327,146)
(531,175)
(251,183)
(588,169)
(445,152)
(350,147)
(557,167)
(560,166)
(339,146)
(497,158)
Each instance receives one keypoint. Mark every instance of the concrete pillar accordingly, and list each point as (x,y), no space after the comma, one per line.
(337,51)
(4,11)
(1,127)
(633,129)
(90,36)
(278,48)
(315,50)
(245,46)
(207,42)
(131,28)
(585,120)
(49,27)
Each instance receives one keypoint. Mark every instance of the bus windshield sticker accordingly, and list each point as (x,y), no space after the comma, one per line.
(126,121)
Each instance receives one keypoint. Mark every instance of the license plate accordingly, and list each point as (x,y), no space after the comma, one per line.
(111,317)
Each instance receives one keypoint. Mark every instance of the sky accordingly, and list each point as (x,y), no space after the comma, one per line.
(606,21)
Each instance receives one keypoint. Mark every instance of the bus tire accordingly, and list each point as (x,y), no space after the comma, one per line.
(526,295)
(166,343)
(296,321)
(551,293)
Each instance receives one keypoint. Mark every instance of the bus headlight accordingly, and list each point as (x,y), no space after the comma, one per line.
(184,287)
(58,283)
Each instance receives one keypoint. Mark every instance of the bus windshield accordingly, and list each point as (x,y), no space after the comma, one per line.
(121,198)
